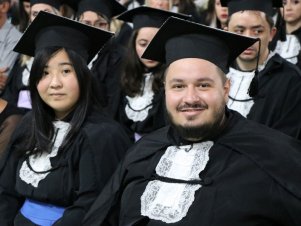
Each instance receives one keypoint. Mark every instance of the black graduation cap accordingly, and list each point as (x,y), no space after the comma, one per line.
(144,16)
(51,30)
(178,39)
(109,8)
(73,4)
(54,3)
(265,6)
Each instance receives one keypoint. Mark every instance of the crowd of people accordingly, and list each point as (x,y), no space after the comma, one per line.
(150,112)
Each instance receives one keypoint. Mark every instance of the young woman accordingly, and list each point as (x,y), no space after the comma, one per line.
(215,15)
(290,49)
(142,108)
(16,90)
(65,150)
(106,67)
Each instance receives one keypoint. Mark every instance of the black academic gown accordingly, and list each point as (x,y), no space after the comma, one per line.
(9,119)
(107,70)
(252,178)
(78,173)
(273,44)
(156,117)
(298,35)
(278,103)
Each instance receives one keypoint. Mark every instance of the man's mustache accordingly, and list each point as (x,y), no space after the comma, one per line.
(196,106)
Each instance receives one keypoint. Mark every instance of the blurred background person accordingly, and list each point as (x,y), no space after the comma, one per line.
(160,4)
(215,15)
(24,12)
(9,36)
(16,91)
(106,66)
(142,103)
(187,7)
(290,49)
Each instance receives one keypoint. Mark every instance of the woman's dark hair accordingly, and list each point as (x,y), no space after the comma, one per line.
(133,70)
(42,131)
(23,17)
(208,15)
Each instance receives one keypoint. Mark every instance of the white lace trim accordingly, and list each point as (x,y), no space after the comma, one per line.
(169,202)
(239,85)
(289,49)
(42,162)
(140,103)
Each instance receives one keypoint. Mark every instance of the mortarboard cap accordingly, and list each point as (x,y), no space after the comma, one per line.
(109,8)
(54,3)
(265,6)
(178,39)
(144,16)
(51,30)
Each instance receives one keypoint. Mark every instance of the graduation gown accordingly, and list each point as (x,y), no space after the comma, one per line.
(252,178)
(107,70)
(156,116)
(9,119)
(77,174)
(289,49)
(278,103)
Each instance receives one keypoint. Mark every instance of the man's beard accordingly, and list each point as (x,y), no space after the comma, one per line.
(204,131)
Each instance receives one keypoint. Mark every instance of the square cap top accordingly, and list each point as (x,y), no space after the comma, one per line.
(178,39)
(144,16)
(265,6)
(109,8)
(51,30)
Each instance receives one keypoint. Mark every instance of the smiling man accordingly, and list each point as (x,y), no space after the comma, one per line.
(211,166)
(264,87)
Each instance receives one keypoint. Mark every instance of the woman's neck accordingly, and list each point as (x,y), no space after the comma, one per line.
(291,27)
(251,65)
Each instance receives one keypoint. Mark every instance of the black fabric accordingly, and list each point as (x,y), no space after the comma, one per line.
(178,39)
(48,30)
(9,110)
(107,70)
(109,8)
(156,118)
(249,173)
(82,169)
(277,104)
(144,16)
(258,5)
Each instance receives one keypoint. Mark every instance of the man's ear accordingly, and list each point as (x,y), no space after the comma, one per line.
(227,86)
(273,33)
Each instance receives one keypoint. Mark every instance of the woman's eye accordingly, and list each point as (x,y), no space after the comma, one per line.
(45,73)
(66,71)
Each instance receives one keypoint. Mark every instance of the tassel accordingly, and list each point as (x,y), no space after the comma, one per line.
(281,27)
(254,86)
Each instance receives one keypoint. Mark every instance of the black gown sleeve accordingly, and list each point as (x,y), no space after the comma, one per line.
(102,153)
